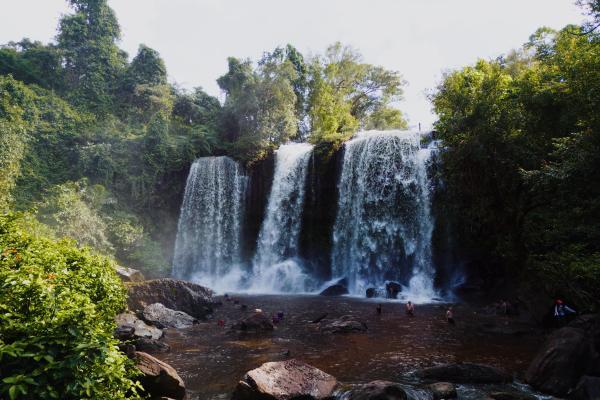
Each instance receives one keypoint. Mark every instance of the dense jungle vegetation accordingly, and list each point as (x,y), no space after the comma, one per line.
(94,149)
(522,162)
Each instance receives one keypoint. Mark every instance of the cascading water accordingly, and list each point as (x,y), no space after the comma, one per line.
(276,266)
(384,225)
(207,248)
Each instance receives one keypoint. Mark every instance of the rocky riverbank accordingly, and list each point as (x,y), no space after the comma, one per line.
(272,346)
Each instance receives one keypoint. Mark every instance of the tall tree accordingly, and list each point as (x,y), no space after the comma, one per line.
(93,60)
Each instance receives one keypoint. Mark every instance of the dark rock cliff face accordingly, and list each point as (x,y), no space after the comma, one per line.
(260,180)
(318,217)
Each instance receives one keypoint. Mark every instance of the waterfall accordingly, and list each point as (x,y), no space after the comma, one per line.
(208,243)
(384,224)
(276,264)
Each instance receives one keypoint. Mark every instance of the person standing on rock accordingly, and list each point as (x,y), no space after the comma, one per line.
(450,316)
(410,309)
(562,311)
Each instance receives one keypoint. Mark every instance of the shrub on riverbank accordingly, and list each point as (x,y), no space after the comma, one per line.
(57,309)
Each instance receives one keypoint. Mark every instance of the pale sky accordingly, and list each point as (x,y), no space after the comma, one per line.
(418,38)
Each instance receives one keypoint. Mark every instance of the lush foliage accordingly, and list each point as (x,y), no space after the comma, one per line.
(325,99)
(522,163)
(57,307)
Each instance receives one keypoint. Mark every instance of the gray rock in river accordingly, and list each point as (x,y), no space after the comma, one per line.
(257,322)
(443,390)
(377,390)
(175,294)
(335,290)
(465,373)
(163,317)
(128,320)
(285,380)
(159,378)
(152,345)
(345,324)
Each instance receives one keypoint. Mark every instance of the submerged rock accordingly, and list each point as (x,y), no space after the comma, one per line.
(163,317)
(443,390)
(345,324)
(371,292)
(159,379)
(377,390)
(188,297)
(129,274)
(285,380)
(567,355)
(128,320)
(257,322)
(465,373)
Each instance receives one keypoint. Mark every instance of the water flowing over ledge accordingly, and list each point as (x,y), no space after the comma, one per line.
(384,224)
(276,264)
(382,231)
(208,234)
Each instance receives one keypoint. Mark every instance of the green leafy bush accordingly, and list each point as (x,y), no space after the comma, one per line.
(57,309)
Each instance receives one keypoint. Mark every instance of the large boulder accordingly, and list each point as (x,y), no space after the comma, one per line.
(285,380)
(335,290)
(588,388)
(377,390)
(371,292)
(164,317)
(345,324)
(443,390)
(188,297)
(465,373)
(561,361)
(129,274)
(257,322)
(152,345)
(127,321)
(159,378)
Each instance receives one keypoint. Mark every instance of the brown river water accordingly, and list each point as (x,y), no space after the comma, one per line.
(211,358)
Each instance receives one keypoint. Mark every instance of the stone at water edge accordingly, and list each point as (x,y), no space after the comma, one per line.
(345,324)
(443,390)
(285,380)
(335,290)
(377,390)
(560,362)
(175,294)
(129,274)
(128,320)
(152,345)
(257,322)
(164,317)
(465,373)
(159,379)
(371,292)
